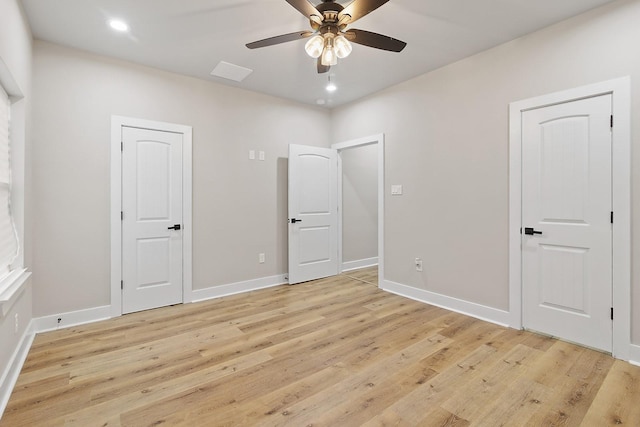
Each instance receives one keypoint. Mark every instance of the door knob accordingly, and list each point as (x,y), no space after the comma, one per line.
(530,231)
(175,227)
(293,220)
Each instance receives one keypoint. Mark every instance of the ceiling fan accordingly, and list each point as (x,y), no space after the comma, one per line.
(329,37)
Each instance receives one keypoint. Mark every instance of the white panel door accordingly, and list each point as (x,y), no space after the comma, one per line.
(567,230)
(313,213)
(152,219)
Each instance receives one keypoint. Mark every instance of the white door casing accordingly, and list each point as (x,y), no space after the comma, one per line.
(620,89)
(566,202)
(377,139)
(150,259)
(313,216)
(152,218)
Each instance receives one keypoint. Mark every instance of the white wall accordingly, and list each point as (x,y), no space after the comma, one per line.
(239,207)
(446,142)
(446,136)
(15,76)
(359,203)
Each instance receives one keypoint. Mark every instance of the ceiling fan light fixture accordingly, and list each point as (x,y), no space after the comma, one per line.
(343,47)
(329,57)
(314,46)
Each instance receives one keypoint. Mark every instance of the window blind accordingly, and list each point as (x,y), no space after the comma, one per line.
(8,237)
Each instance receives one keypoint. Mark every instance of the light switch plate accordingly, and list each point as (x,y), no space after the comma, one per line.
(396,190)
(252,154)
(261,155)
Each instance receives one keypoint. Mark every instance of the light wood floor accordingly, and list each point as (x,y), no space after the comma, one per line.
(334,352)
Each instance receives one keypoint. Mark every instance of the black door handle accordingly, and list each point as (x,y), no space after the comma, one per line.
(530,231)
(293,220)
(175,227)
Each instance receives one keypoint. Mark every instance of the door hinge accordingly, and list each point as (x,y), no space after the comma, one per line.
(611,313)
(611,123)
(121,145)
(121,215)
(121,284)
(611,217)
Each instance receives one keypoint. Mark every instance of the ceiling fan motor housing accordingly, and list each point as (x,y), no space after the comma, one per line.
(330,11)
(329,6)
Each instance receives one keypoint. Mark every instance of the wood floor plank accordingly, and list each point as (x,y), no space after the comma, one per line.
(611,404)
(182,388)
(480,333)
(516,406)
(442,418)
(137,357)
(333,352)
(481,391)
(330,350)
(552,368)
(369,388)
(430,395)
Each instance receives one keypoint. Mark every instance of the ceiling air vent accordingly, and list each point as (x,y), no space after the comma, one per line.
(231,71)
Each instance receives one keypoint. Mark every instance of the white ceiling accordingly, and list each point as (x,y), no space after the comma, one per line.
(192,36)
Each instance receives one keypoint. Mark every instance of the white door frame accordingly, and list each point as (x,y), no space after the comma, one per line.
(368,140)
(621,179)
(117,122)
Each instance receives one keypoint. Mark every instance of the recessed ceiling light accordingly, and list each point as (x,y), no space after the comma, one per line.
(119,25)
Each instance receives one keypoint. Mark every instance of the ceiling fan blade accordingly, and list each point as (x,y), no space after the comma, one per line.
(305,8)
(378,41)
(359,8)
(322,68)
(284,38)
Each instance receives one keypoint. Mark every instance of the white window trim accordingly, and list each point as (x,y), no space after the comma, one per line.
(620,89)
(12,285)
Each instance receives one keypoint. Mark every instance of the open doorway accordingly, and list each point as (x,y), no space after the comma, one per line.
(361,204)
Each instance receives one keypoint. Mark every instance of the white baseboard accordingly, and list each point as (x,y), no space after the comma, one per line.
(73,318)
(478,311)
(10,376)
(237,288)
(361,263)
(80,317)
(634,354)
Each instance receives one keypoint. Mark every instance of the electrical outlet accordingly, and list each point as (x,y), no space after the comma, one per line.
(17,323)
(418,264)
(261,258)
